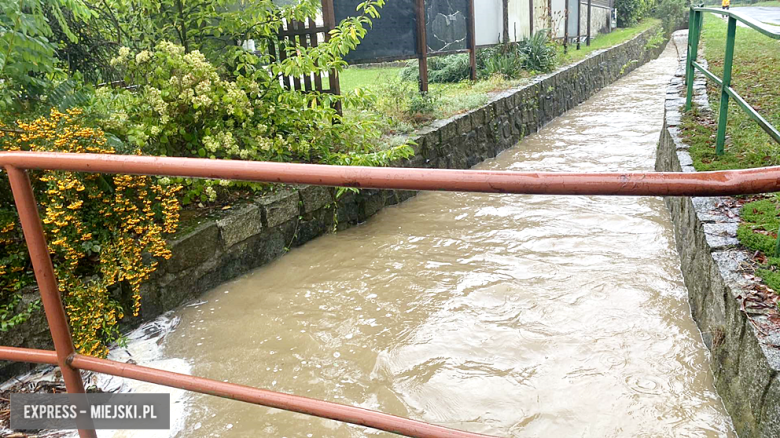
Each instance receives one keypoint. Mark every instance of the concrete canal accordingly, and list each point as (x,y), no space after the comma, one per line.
(527,316)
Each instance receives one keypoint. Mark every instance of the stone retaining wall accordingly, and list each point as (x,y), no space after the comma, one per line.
(254,234)
(745,349)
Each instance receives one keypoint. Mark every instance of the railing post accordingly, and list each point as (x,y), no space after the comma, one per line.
(728,59)
(694,23)
(688,47)
(47,282)
(422,46)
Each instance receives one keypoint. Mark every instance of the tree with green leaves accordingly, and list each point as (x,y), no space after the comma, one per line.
(179,102)
(27,51)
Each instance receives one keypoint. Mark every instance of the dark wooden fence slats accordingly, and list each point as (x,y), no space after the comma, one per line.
(317,77)
(304,35)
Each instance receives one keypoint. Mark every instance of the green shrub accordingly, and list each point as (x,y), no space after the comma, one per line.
(402,105)
(534,54)
(673,13)
(503,60)
(180,106)
(393,97)
(441,69)
(629,12)
(27,61)
(656,40)
(539,52)
(421,105)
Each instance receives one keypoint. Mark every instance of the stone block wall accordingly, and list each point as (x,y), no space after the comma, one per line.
(745,348)
(264,229)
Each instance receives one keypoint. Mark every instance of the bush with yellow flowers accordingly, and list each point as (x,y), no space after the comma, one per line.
(102,231)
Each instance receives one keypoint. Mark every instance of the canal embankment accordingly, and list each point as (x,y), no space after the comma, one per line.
(477,311)
(260,231)
(508,315)
(256,234)
(744,342)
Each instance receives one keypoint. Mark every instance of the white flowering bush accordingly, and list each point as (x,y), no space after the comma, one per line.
(180,97)
(179,104)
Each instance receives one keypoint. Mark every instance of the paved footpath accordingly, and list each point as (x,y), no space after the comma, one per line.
(765,14)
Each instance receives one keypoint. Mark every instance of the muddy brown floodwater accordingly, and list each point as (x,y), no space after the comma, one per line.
(526,316)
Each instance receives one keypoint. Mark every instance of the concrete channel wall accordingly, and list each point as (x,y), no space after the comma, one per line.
(258,232)
(745,354)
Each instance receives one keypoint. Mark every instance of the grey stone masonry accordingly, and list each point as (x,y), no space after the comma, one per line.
(262,230)
(745,347)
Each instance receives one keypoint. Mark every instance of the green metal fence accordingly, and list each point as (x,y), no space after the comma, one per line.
(695,22)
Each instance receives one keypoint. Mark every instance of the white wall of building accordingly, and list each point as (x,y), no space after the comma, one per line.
(558,18)
(519,22)
(599,19)
(488,21)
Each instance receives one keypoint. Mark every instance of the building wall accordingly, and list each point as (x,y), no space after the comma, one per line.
(519,22)
(599,19)
(488,21)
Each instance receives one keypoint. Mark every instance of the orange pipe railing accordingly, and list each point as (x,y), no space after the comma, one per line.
(733,182)
(727,182)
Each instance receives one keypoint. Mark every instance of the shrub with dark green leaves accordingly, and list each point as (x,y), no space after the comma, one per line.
(539,52)
(534,54)
(629,12)
(27,61)
(673,13)
(504,60)
(441,69)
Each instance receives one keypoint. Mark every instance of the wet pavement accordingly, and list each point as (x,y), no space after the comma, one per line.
(764,14)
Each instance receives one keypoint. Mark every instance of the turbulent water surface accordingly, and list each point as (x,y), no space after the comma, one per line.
(527,316)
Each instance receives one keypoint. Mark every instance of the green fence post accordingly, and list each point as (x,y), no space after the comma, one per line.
(728,59)
(694,23)
(688,51)
(699,26)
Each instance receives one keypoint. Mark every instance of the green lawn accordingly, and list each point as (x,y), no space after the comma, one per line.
(356,77)
(394,96)
(773,3)
(741,3)
(756,76)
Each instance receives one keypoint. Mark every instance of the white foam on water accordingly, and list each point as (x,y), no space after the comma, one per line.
(143,347)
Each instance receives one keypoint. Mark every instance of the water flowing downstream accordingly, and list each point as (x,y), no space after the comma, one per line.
(527,316)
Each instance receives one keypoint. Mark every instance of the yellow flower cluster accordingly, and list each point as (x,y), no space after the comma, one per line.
(99,228)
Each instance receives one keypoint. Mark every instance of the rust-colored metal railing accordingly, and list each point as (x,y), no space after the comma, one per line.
(64,355)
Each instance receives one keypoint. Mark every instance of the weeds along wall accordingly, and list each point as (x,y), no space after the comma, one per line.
(257,232)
